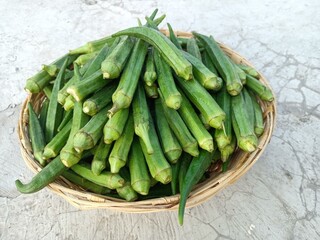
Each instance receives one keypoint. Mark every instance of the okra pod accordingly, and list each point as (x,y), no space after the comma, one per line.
(47,90)
(249,70)
(258,88)
(203,101)
(112,66)
(222,63)
(227,150)
(84,58)
(150,74)
(246,138)
(177,125)
(175,177)
(140,180)
(172,96)
(169,142)
(173,37)
(258,117)
(53,148)
(93,46)
(43,114)
(193,48)
(115,125)
(127,192)
(100,157)
(66,118)
(99,100)
(36,135)
(88,136)
(185,163)
(119,153)
(168,50)
(141,117)
(158,166)
(69,103)
(55,111)
(122,97)
(105,179)
(193,122)
(151,91)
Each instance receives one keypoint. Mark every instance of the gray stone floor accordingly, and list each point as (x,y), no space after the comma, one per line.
(276,199)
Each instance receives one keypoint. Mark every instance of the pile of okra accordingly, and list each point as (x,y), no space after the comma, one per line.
(138,115)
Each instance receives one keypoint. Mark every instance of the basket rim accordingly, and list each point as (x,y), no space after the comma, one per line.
(202,192)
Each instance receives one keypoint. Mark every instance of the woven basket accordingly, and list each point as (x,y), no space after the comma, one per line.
(241,162)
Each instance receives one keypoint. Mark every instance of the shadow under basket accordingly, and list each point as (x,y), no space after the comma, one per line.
(241,162)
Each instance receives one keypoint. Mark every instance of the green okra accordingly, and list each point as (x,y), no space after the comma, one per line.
(169,142)
(173,37)
(185,163)
(228,150)
(66,118)
(100,157)
(258,117)
(167,49)
(177,125)
(203,101)
(123,96)
(193,48)
(88,136)
(151,91)
(115,125)
(105,178)
(150,74)
(99,100)
(259,89)
(55,111)
(47,90)
(222,63)
(249,70)
(84,58)
(172,96)
(127,192)
(93,46)
(119,153)
(43,113)
(141,117)
(52,149)
(36,135)
(140,179)
(193,122)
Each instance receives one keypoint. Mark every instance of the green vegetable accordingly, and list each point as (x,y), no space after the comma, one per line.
(66,118)
(193,122)
(246,138)
(112,66)
(36,135)
(222,63)
(249,70)
(47,90)
(169,142)
(150,75)
(140,180)
(197,168)
(223,136)
(99,100)
(43,113)
(127,192)
(203,101)
(115,125)
(123,96)
(36,83)
(100,157)
(168,51)
(201,73)
(69,103)
(83,59)
(93,46)
(46,176)
(158,166)
(88,136)
(227,150)
(53,148)
(141,117)
(175,177)
(84,183)
(54,115)
(209,64)
(185,163)
(119,153)
(258,117)
(258,88)
(193,49)
(177,125)
(51,69)
(173,37)
(171,95)
(105,179)
(151,91)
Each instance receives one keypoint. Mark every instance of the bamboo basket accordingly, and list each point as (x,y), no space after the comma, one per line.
(241,162)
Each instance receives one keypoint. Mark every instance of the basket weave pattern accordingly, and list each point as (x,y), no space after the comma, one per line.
(240,164)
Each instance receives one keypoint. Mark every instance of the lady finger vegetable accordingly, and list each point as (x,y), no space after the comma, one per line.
(66,118)
(43,114)
(258,117)
(141,117)
(150,74)
(227,150)
(127,192)
(172,96)
(188,143)
(167,49)
(100,157)
(193,49)
(92,46)
(36,135)
(83,59)
(119,153)
(140,180)
(258,88)
(115,125)
(184,165)
(169,142)
(151,91)
(46,176)
(249,70)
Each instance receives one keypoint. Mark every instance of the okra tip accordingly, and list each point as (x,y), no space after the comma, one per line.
(110,70)
(48,153)
(31,87)
(258,131)
(164,176)
(207,145)
(142,186)
(83,141)
(174,155)
(69,158)
(248,144)
(217,121)
(267,95)
(23,188)
(97,167)
(174,101)
(116,164)
(234,88)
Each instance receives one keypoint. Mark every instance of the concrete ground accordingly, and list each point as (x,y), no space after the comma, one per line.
(277,199)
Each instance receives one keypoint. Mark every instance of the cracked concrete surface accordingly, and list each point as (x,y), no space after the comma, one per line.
(276,199)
